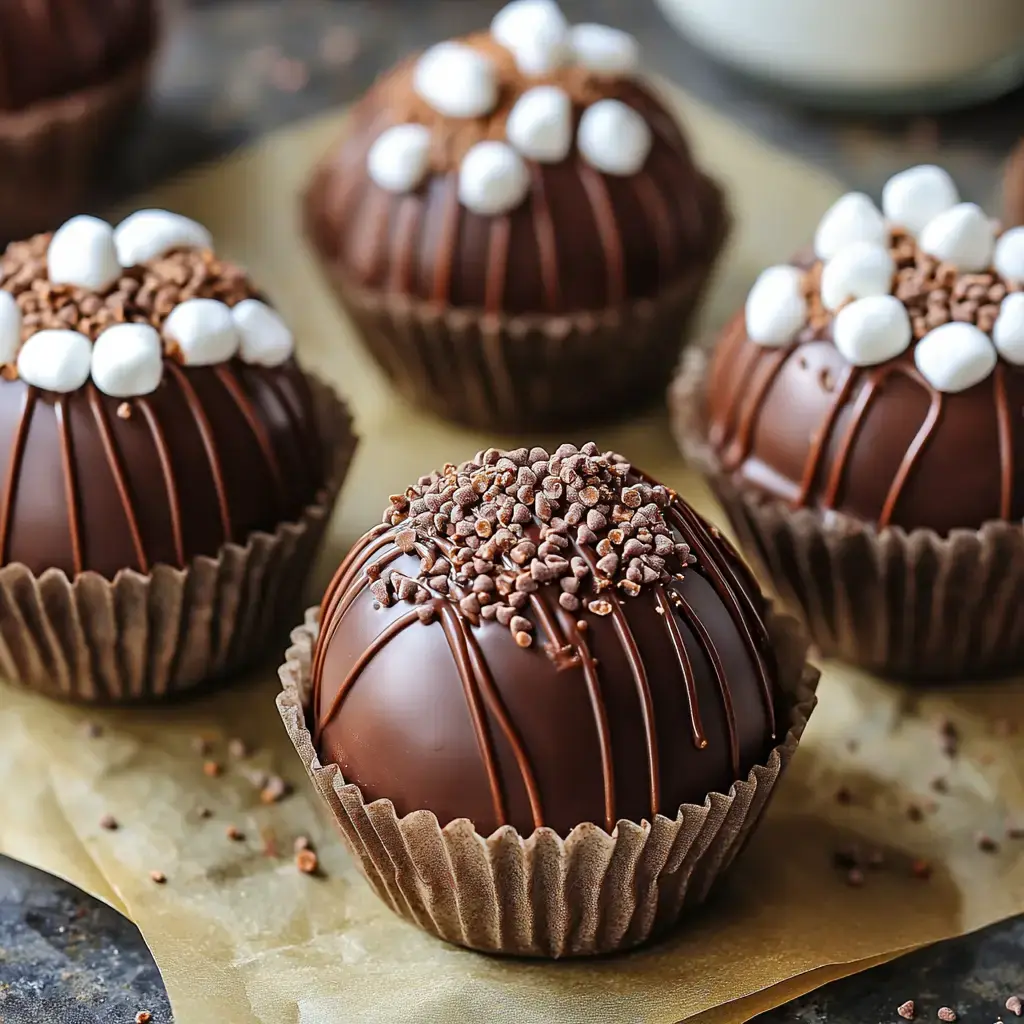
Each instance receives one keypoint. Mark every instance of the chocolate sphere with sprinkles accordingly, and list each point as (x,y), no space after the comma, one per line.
(544,639)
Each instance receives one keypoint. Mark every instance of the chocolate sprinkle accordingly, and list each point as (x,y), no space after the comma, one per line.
(490,531)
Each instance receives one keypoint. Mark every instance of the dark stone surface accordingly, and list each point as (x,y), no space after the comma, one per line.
(235,69)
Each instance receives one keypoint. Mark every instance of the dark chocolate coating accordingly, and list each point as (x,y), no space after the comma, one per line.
(780,421)
(52,47)
(158,492)
(581,241)
(405,730)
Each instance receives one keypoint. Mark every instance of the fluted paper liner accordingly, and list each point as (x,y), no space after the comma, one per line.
(49,150)
(542,895)
(526,372)
(915,605)
(144,637)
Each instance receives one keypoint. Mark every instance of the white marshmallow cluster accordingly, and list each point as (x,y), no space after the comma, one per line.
(127,359)
(871,325)
(461,82)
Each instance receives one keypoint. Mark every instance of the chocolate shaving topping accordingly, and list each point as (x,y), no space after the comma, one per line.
(144,294)
(934,293)
(491,531)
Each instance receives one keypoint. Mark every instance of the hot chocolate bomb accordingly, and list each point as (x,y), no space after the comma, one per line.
(544,640)
(150,410)
(860,420)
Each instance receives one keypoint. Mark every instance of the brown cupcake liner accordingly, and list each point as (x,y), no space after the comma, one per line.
(530,372)
(49,150)
(542,895)
(912,605)
(148,637)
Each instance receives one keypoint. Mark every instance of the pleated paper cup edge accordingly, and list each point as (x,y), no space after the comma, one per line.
(587,841)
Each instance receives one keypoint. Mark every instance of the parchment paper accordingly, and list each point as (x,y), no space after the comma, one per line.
(241,936)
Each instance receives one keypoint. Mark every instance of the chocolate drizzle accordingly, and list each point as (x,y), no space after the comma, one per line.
(212,455)
(883,443)
(648,668)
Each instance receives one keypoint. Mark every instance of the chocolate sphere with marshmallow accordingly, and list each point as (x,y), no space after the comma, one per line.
(860,420)
(151,410)
(509,207)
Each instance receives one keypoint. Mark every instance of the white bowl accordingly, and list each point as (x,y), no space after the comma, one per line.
(938,51)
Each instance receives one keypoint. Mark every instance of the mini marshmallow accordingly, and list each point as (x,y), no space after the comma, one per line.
(776,308)
(1008,259)
(128,360)
(82,253)
(857,272)
(55,360)
(204,330)
(851,218)
(399,157)
(265,337)
(535,32)
(492,179)
(955,357)
(540,124)
(456,80)
(962,236)
(147,234)
(872,330)
(1008,330)
(917,195)
(614,138)
(10,328)
(603,49)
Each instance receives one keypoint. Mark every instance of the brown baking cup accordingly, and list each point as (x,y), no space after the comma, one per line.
(506,373)
(542,895)
(912,605)
(49,150)
(142,637)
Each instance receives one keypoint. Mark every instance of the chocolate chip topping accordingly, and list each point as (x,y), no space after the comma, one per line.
(492,530)
(143,294)
(935,293)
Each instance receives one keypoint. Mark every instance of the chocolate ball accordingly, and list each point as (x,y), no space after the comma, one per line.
(542,639)
(159,472)
(485,256)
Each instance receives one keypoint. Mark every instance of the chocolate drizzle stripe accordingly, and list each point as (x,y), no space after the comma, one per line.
(657,211)
(860,408)
(206,433)
(446,244)
(714,659)
(408,222)
(456,632)
(163,454)
(707,552)
(1003,422)
(752,411)
(607,229)
(725,429)
(117,471)
(67,466)
(636,665)
(499,236)
(820,441)
(910,457)
(497,707)
(282,392)
(597,704)
(378,644)
(227,377)
(378,205)
(364,548)
(547,240)
(689,680)
(547,622)
(345,595)
(14,469)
